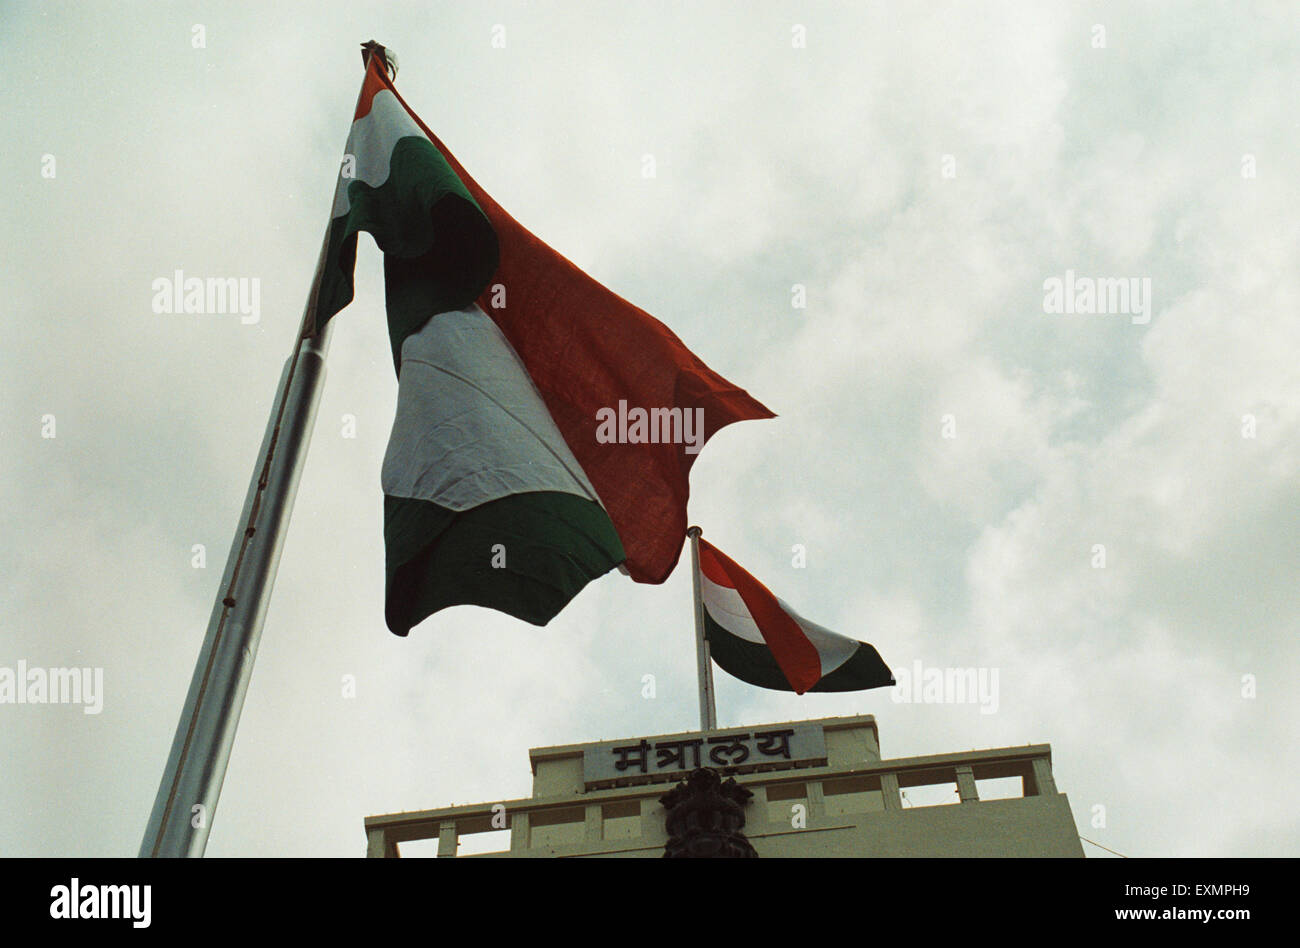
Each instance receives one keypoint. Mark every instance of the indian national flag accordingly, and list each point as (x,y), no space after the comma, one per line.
(759,639)
(498,491)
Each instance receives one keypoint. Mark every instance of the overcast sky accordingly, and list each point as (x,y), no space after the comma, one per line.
(921,170)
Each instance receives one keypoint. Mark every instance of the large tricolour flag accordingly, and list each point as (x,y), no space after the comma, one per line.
(501,487)
(761,640)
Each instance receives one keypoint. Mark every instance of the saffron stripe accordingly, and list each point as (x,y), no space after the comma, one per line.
(793,652)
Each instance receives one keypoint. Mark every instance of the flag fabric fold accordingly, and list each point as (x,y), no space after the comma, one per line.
(501,489)
(760,639)
(439,248)
(483,502)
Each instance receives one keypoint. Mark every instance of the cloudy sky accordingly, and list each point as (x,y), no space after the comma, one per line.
(952,457)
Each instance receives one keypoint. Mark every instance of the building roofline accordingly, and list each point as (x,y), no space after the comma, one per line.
(900,765)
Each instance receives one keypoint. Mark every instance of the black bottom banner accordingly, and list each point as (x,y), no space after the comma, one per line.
(233,896)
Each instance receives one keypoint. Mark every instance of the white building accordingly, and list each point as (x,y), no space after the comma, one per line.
(819,788)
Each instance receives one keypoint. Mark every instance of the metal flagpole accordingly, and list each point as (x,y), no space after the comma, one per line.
(704,664)
(191,783)
(187,795)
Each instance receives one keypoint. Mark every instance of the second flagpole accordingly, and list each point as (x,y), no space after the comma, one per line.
(704,663)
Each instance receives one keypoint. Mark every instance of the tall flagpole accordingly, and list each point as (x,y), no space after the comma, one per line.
(196,767)
(187,795)
(704,663)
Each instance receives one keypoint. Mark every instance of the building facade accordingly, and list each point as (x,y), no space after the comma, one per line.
(810,788)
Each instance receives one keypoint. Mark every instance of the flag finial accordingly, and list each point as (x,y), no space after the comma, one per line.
(386,56)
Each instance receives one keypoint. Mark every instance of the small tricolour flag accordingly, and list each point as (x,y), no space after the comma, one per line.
(506,482)
(759,639)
